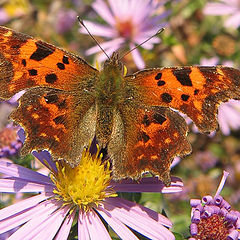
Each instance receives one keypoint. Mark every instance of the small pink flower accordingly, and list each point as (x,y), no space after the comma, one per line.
(225,7)
(65,19)
(129,21)
(10,143)
(4,17)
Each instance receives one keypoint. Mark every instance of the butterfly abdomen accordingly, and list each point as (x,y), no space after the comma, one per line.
(109,94)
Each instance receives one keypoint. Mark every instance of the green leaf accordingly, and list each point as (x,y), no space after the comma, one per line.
(178,236)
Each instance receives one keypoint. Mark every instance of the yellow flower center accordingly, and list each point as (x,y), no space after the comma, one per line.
(86,184)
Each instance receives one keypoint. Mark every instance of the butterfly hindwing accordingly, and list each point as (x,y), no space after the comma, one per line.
(147,139)
(195,91)
(52,121)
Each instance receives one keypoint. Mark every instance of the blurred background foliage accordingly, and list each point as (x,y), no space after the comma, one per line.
(190,38)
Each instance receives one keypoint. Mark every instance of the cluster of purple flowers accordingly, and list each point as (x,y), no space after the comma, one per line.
(212,217)
(214,213)
(10,143)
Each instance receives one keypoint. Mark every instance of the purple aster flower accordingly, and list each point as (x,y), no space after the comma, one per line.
(10,143)
(205,160)
(14,100)
(65,19)
(215,61)
(229,116)
(85,193)
(225,7)
(212,217)
(3,16)
(175,162)
(129,21)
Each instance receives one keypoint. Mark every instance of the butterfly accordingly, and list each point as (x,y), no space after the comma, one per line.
(67,103)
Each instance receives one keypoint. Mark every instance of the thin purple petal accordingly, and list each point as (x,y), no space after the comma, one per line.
(48,229)
(26,215)
(14,170)
(233,21)
(22,205)
(99,30)
(118,227)
(116,43)
(137,57)
(66,227)
(148,185)
(139,210)
(103,10)
(147,220)
(223,180)
(45,157)
(27,231)
(96,227)
(19,185)
(219,9)
(82,226)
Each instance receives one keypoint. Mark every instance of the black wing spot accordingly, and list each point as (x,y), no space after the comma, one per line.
(166,97)
(65,60)
(161,83)
(146,121)
(16,46)
(158,76)
(159,118)
(185,97)
(51,78)
(182,76)
(145,137)
(61,66)
(24,63)
(43,50)
(62,104)
(196,91)
(59,119)
(32,72)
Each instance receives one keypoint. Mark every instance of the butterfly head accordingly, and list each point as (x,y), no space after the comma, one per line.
(114,62)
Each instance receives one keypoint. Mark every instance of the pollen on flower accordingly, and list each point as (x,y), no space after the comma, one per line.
(85,185)
(215,227)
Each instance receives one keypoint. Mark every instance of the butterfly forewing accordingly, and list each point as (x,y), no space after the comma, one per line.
(195,91)
(26,62)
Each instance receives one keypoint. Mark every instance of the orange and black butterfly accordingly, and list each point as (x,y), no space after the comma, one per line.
(67,102)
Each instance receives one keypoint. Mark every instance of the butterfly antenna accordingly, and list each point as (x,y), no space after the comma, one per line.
(140,44)
(94,39)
